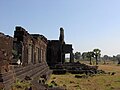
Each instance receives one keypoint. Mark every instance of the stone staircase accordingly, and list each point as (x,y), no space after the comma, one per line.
(19,72)
(7,79)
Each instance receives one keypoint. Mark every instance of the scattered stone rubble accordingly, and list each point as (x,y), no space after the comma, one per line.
(76,68)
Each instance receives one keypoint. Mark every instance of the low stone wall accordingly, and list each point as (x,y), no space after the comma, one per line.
(19,72)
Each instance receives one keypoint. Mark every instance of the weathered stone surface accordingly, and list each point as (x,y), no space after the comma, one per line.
(25,55)
(56,50)
(6,44)
(75,68)
(27,49)
(30,48)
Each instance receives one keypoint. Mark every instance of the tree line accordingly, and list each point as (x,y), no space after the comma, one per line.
(96,54)
(89,55)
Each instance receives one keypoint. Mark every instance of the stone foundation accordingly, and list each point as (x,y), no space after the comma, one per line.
(19,72)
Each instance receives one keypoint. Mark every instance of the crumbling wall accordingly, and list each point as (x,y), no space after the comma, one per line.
(6,45)
(31,48)
(40,47)
(56,50)
(23,46)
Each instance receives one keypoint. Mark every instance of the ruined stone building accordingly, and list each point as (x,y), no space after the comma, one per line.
(30,50)
(56,50)
(29,55)
(6,46)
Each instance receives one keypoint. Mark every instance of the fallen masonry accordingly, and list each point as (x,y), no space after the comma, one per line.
(76,68)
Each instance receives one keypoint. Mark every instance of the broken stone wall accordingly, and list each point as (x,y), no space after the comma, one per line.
(30,47)
(6,46)
(40,45)
(23,46)
(54,52)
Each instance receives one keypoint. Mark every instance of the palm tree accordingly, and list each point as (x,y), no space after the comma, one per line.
(90,55)
(77,55)
(84,55)
(97,54)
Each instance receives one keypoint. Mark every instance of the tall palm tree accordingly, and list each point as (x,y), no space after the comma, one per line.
(97,54)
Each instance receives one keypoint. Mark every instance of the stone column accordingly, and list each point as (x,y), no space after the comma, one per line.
(61,38)
(71,58)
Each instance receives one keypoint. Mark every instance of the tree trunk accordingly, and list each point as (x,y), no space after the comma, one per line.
(96,60)
(90,61)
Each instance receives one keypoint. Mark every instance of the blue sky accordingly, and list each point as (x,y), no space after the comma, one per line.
(88,24)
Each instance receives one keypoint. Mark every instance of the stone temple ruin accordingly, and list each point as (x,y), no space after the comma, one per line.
(22,55)
(32,55)
(57,49)
(31,48)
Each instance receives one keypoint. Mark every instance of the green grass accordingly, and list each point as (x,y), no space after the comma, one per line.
(21,85)
(97,82)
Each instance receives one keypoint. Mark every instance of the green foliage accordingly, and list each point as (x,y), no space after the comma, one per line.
(15,54)
(52,84)
(97,54)
(105,57)
(84,55)
(21,85)
(90,55)
(77,55)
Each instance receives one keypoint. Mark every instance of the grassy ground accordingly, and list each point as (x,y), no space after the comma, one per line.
(21,85)
(97,82)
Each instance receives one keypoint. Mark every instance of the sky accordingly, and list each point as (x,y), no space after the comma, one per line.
(88,24)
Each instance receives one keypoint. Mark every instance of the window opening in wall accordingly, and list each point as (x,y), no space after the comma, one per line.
(67,57)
